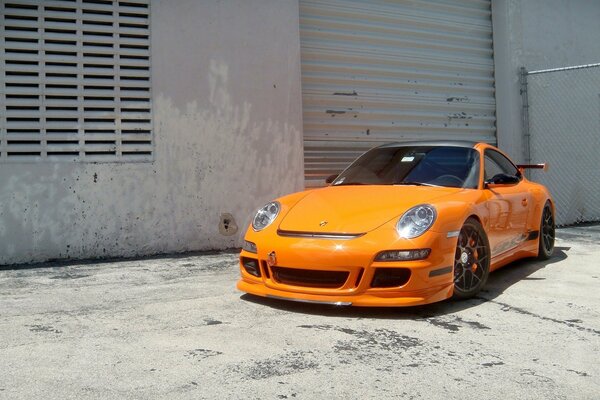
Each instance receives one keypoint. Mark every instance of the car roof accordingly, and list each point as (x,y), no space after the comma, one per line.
(449,143)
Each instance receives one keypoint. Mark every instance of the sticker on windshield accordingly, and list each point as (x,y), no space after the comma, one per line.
(407,159)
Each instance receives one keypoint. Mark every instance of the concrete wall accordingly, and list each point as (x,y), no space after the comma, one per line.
(537,34)
(227,132)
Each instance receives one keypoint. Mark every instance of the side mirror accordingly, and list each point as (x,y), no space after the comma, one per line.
(502,180)
(331,178)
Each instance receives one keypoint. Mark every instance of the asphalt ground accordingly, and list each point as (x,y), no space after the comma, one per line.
(176,327)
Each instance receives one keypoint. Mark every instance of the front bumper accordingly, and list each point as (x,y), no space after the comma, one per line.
(429,280)
(363,299)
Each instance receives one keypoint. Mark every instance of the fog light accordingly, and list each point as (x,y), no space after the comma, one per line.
(249,246)
(403,255)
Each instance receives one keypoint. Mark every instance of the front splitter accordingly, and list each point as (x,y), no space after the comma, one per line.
(329,303)
(380,299)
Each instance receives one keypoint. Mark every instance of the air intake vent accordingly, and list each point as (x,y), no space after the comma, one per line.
(251,266)
(75,81)
(309,277)
(390,277)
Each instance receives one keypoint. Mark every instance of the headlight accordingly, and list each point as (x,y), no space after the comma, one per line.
(416,221)
(266,215)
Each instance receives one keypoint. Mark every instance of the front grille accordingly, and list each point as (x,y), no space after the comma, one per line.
(390,277)
(309,277)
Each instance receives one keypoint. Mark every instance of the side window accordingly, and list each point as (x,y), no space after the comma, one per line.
(496,163)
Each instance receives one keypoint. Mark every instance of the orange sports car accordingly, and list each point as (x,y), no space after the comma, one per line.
(405,224)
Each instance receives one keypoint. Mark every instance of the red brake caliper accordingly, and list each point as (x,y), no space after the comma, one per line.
(475,257)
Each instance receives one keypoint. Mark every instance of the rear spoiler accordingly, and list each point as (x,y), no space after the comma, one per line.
(543,166)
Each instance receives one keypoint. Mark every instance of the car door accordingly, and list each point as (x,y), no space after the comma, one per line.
(508,203)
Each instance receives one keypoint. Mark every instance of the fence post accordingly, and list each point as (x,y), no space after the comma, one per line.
(525,121)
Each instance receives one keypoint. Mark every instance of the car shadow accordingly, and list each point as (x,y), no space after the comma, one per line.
(497,283)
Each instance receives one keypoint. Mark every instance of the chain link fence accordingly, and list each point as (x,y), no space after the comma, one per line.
(562,128)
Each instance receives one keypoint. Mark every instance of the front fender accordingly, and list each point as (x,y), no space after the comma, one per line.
(452,213)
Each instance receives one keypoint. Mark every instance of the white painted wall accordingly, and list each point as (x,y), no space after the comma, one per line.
(537,34)
(227,132)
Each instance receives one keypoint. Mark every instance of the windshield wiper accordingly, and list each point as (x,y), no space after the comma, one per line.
(349,184)
(415,183)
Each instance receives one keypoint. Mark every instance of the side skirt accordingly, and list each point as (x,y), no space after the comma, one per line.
(525,250)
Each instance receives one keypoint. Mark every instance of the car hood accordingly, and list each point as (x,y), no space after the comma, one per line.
(356,209)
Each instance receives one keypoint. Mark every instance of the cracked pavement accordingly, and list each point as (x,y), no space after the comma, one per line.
(175,327)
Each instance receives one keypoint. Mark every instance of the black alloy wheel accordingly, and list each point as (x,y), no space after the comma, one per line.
(471,260)
(547,233)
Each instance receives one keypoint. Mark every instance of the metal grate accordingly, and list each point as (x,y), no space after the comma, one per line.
(75,81)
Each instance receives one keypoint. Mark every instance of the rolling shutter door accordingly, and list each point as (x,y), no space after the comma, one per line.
(382,71)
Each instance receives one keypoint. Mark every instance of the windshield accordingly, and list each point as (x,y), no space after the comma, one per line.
(414,165)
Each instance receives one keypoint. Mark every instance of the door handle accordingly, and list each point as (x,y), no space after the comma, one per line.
(524,202)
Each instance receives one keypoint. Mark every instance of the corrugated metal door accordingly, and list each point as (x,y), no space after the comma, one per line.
(382,71)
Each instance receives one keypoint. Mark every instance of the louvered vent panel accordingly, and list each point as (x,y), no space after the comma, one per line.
(75,81)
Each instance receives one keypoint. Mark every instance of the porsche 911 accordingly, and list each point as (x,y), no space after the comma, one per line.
(405,224)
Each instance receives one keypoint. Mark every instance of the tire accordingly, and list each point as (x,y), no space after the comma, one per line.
(547,233)
(471,260)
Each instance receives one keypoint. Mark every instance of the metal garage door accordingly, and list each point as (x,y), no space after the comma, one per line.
(382,71)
